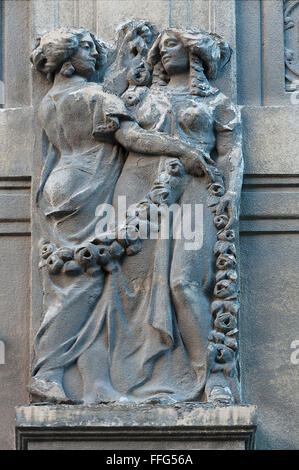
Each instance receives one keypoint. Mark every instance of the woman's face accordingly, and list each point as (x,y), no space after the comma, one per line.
(84,60)
(174,56)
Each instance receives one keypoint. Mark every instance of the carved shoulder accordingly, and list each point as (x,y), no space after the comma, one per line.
(227,115)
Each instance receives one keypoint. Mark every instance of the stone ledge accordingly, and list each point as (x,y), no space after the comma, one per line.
(181,426)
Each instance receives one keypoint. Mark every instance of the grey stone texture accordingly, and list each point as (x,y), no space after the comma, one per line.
(269,221)
(186,426)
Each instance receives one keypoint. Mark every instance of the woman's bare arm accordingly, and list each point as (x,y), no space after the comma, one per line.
(133,138)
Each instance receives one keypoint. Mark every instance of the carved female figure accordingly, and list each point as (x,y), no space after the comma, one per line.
(79,173)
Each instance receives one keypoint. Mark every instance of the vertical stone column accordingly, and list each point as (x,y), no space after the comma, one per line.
(267,51)
(269,225)
(273,53)
(15,173)
(16,76)
(49,14)
(249,46)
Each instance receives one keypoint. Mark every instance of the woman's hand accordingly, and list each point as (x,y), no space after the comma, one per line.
(228,202)
(133,138)
(198,164)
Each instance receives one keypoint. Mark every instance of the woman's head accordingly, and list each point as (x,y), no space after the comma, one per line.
(175,51)
(68,51)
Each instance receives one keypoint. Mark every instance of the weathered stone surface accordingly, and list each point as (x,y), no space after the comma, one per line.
(16,142)
(182,426)
(14,329)
(291,22)
(270,203)
(270,142)
(16,206)
(269,326)
(248,36)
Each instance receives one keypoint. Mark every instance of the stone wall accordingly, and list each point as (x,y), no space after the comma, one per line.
(255,79)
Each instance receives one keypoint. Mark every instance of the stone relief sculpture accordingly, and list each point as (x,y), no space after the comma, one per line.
(131,315)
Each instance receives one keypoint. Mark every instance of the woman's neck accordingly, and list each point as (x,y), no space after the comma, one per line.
(61,81)
(180,81)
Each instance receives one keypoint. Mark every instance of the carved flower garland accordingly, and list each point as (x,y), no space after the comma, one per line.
(105,251)
(223,343)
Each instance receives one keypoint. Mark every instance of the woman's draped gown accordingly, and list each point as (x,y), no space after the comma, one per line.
(81,177)
(147,337)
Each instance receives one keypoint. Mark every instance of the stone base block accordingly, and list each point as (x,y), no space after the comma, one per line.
(184,426)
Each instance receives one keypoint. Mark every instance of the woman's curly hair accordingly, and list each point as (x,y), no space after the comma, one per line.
(208,53)
(54,51)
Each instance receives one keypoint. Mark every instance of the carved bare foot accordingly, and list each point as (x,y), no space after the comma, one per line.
(221,395)
(47,390)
